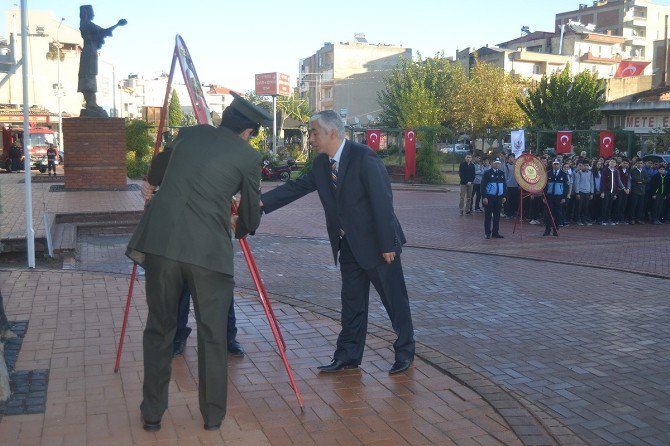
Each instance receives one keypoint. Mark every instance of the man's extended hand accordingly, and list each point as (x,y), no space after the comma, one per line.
(233,223)
(388,257)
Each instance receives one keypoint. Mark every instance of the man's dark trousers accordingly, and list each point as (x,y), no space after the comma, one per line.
(212,293)
(389,281)
(492,209)
(583,207)
(637,207)
(622,201)
(554,202)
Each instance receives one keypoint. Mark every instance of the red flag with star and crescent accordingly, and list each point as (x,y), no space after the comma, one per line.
(410,154)
(563,142)
(606,143)
(373,138)
(629,68)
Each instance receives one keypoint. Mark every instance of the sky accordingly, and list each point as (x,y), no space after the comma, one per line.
(230,41)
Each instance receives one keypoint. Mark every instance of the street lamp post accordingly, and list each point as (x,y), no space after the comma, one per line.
(59,91)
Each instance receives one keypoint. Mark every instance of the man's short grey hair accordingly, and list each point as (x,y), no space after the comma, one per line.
(329,120)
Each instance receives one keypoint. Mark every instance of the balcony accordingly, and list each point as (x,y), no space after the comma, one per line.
(590,58)
(531,56)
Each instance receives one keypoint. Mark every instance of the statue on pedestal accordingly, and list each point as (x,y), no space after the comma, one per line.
(94,37)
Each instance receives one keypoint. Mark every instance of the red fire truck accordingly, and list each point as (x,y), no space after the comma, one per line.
(39,140)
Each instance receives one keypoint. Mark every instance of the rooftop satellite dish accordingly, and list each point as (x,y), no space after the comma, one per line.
(370,118)
(356,120)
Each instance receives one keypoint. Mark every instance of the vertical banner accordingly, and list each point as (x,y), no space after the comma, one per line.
(606,143)
(373,138)
(518,142)
(563,142)
(410,154)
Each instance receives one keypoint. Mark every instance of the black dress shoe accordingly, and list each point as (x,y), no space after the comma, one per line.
(497,236)
(178,347)
(486,236)
(546,233)
(336,366)
(235,349)
(151,426)
(400,366)
(213,427)
(555,234)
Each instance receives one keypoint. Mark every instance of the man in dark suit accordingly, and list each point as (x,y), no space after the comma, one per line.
(185,235)
(355,192)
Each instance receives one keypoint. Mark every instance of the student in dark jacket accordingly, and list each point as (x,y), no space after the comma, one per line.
(639,179)
(556,192)
(659,193)
(610,185)
(622,201)
(466,173)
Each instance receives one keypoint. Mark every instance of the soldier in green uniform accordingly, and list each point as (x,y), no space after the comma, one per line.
(185,235)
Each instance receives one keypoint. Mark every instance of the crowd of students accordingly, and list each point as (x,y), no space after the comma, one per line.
(597,190)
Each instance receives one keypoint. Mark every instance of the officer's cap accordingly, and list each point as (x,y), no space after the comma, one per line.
(556,161)
(497,160)
(250,111)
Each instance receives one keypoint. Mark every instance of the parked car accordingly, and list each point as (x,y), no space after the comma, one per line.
(456,148)
(657,158)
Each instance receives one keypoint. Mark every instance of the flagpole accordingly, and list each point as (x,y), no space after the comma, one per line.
(30,231)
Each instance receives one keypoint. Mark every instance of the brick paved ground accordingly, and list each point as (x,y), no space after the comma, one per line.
(74,323)
(588,347)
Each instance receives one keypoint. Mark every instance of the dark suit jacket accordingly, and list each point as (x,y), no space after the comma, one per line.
(188,220)
(362,205)
(639,180)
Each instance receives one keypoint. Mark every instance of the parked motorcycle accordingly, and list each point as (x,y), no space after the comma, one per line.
(282,173)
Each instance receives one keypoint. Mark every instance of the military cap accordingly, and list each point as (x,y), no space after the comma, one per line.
(556,161)
(497,160)
(250,111)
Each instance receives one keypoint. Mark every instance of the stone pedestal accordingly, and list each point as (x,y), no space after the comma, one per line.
(95,153)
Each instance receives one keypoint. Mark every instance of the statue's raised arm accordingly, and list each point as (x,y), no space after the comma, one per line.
(94,37)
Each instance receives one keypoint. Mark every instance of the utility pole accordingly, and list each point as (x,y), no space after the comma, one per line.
(59,90)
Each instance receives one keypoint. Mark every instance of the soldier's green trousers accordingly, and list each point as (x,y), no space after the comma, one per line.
(212,293)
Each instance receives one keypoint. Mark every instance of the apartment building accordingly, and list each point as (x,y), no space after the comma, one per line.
(346,77)
(639,22)
(53,56)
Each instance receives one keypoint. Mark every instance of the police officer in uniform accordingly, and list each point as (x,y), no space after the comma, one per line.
(185,235)
(493,189)
(556,192)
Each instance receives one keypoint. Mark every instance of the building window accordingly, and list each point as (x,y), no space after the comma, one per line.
(536,69)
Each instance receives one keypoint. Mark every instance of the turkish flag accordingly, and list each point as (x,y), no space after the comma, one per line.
(410,154)
(563,142)
(373,138)
(606,143)
(628,68)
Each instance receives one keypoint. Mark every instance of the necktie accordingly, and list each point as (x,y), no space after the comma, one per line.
(333,173)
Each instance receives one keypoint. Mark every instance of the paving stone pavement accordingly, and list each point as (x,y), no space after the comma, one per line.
(75,318)
(589,346)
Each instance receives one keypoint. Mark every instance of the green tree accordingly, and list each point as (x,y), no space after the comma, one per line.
(488,99)
(140,137)
(175,115)
(441,80)
(189,120)
(563,102)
